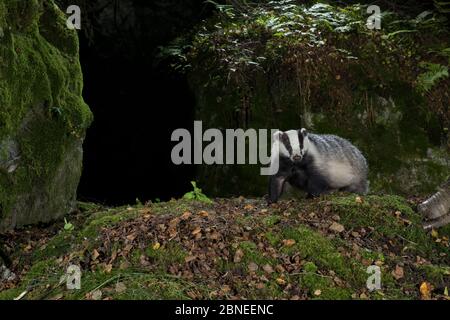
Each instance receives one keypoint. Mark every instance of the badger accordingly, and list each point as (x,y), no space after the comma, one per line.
(316,163)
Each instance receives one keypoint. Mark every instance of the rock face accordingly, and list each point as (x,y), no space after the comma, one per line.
(43,118)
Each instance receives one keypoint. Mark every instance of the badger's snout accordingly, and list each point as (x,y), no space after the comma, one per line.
(297,158)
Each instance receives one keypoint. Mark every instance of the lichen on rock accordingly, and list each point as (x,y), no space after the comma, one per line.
(43,118)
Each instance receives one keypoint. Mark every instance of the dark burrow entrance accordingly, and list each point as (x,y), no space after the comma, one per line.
(137,102)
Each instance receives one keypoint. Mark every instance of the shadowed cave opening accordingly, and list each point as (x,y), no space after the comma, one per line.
(137,102)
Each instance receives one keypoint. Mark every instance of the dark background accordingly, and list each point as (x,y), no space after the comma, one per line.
(136,98)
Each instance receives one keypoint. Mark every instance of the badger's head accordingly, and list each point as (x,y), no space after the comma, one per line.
(291,144)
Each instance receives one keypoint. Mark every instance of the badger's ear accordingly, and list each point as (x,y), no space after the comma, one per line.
(304,132)
(277,135)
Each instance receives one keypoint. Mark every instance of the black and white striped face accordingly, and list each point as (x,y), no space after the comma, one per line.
(291,144)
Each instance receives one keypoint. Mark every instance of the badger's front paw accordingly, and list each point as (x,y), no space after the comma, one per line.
(268,200)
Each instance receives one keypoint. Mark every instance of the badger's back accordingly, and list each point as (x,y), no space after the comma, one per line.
(339,161)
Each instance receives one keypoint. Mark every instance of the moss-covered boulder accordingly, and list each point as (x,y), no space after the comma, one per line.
(283,65)
(43,117)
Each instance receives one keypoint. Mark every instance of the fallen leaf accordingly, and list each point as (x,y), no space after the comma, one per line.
(96,295)
(260,285)
(337,227)
(268,268)
(238,256)
(131,237)
(173,227)
(192,295)
(425,291)
(120,287)
(59,296)
(190,258)
(288,242)
(108,268)
(398,273)
(318,292)
(253,266)
(249,207)
(225,289)
(203,214)
(196,231)
(95,255)
(185,215)
(281,281)
(434,233)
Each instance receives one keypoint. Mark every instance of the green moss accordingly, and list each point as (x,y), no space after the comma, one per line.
(271,220)
(439,276)
(313,281)
(273,238)
(10,294)
(138,286)
(167,255)
(316,248)
(106,219)
(253,254)
(379,212)
(177,207)
(59,245)
(154,287)
(41,107)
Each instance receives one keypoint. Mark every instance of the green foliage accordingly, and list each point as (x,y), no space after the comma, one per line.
(68,226)
(247,37)
(442,6)
(196,194)
(433,74)
(286,64)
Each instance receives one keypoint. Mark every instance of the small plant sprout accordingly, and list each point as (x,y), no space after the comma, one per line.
(196,194)
(68,226)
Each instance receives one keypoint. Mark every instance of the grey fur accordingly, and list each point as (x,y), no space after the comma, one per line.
(328,163)
(331,147)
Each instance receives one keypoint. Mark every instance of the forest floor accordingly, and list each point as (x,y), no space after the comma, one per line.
(234,249)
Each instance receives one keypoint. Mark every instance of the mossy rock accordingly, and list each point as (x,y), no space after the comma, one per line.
(43,118)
